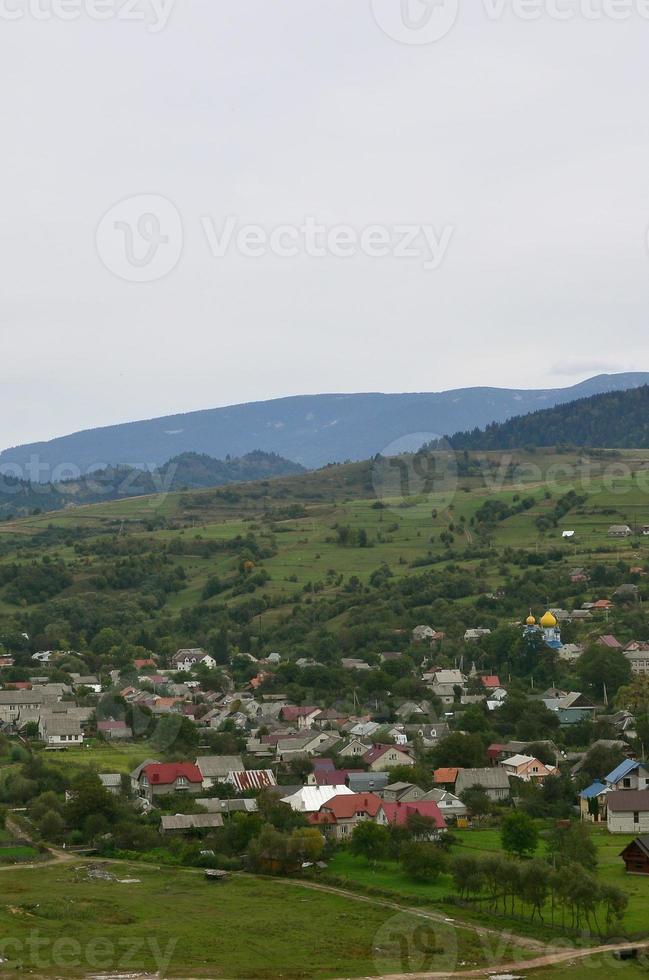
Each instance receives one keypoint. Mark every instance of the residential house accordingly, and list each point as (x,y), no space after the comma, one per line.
(610,641)
(450,806)
(12,703)
(629,775)
(155,779)
(111,781)
(410,709)
(592,802)
(352,663)
(309,799)
(446,684)
(636,856)
(638,660)
(429,735)
(398,814)
(628,812)
(571,652)
(391,656)
(473,635)
(571,708)
(527,768)
(423,634)
(383,757)
(340,815)
(228,807)
(446,777)
(331,718)
(354,749)
(181,822)
(303,745)
(188,660)
(627,593)
(217,768)
(91,681)
(257,779)
(60,731)
(113,731)
(402,793)
(303,718)
(367,782)
(619,531)
(362,729)
(495,782)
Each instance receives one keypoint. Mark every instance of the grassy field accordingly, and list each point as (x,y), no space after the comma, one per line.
(99,757)
(388,874)
(181,925)
(403,534)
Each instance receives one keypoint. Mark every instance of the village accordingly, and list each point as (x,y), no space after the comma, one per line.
(337,768)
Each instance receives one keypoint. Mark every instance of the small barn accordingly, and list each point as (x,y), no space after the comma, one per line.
(636,856)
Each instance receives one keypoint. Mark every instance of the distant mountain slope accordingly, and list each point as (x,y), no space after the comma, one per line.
(310,429)
(189,471)
(618,419)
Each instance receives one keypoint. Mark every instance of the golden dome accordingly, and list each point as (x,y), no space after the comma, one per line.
(549,621)
(531,621)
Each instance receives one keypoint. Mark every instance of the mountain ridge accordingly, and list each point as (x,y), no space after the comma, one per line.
(613,420)
(311,430)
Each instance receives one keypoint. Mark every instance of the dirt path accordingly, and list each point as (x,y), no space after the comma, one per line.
(548,955)
(58,856)
(524,942)
(551,959)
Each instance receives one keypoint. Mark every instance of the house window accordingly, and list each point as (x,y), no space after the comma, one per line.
(626,783)
(636,818)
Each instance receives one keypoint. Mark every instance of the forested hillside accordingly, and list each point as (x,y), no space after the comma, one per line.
(189,471)
(617,419)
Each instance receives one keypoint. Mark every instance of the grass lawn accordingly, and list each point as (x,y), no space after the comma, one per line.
(100,757)
(243,929)
(20,852)
(389,876)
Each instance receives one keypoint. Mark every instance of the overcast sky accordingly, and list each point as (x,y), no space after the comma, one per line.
(519,149)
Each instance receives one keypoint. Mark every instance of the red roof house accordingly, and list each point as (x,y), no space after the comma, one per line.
(161,778)
(341,814)
(446,777)
(610,641)
(399,813)
(380,758)
(491,682)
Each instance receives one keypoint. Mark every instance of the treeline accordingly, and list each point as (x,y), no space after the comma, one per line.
(189,471)
(617,418)
(570,896)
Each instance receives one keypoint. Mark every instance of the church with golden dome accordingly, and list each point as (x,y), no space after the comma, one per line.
(547,627)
